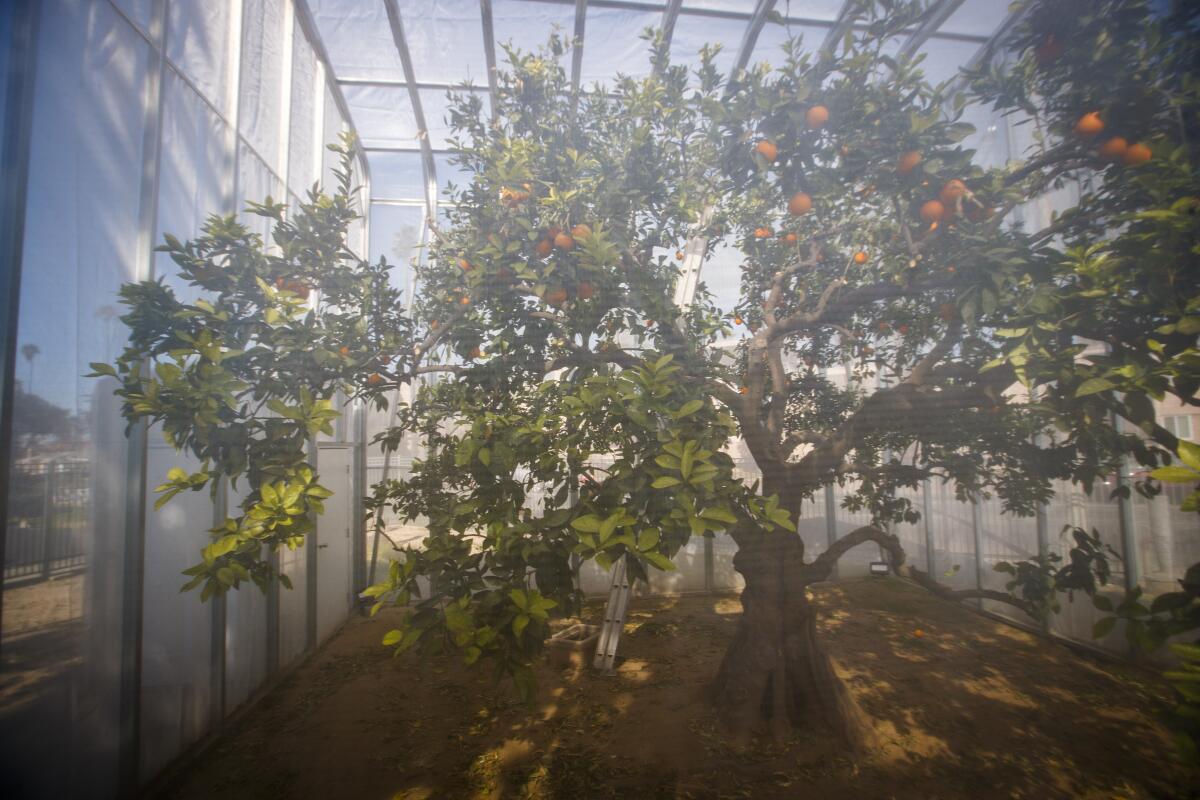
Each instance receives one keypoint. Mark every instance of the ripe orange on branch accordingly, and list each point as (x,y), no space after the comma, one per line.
(908,162)
(762,233)
(564,241)
(1089,124)
(464,265)
(544,247)
(860,257)
(374,379)
(767,149)
(952,191)
(1114,149)
(586,290)
(933,211)
(790,238)
(1137,154)
(581,232)
(816,117)
(556,296)
(800,204)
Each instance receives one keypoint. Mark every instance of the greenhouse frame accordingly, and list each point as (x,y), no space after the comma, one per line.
(125,121)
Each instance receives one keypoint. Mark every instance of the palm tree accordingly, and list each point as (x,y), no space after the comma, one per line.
(30,352)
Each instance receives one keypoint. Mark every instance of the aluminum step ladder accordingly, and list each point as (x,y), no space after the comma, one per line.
(614,619)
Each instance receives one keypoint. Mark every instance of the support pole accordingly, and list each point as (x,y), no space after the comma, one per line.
(977,529)
(927,513)
(831,525)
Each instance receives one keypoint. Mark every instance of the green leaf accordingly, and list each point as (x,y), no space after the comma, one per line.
(688,408)
(589,523)
(485,456)
(392,637)
(647,539)
(664,482)
(1094,386)
(660,561)
(1175,474)
(519,623)
(1189,453)
(1103,627)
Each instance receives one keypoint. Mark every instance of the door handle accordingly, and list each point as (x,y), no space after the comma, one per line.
(322,545)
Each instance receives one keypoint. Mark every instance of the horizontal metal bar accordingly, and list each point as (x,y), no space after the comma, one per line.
(402,84)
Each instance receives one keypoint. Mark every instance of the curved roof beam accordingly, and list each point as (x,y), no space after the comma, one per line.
(489,51)
(670,14)
(939,13)
(990,47)
(750,38)
(577,45)
(428,167)
(843,23)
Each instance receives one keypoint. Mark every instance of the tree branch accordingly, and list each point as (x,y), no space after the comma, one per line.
(822,566)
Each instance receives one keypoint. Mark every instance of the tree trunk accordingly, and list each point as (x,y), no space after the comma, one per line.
(775,674)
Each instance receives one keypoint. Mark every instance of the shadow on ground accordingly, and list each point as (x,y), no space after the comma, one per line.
(968,707)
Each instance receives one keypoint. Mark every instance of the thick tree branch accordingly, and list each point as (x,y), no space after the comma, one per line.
(822,566)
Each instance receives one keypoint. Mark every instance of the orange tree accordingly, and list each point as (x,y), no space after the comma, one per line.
(581,412)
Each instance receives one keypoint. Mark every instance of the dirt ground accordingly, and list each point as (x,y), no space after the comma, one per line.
(970,709)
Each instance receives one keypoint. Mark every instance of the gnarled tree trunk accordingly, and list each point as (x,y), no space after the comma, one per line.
(775,674)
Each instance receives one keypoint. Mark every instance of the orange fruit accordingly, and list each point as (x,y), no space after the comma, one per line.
(952,191)
(903,329)
(908,162)
(581,231)
(860,257)
(933,211)
(816,117)
(564,241)
(767,150)
(466,301)
(919,633)
(883,327)
(1114,149)
(948,312)
(433,325)
(464,265)
(1089,124)
(800,204)
(279,283)
(374,379)
(790,238)
(1049,51)
(743,390)
(345,351)
(649,322)
(556,296)
(951,269)
(544,246)
(586,290)
(476,352)
(762,233)
(679,255)
(978,213)
(737,320)
(1137,154)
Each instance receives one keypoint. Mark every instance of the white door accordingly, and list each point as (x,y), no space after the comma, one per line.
(333,540)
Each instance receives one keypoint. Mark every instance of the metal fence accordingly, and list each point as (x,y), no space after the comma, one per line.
(47,519)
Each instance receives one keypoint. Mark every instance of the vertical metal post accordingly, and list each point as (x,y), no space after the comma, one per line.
(19,55)
(1129,548)
(710,571)
(48,520)
(132,598)
(977,529)
(218,620)
(310,565)
(927,513)
(831,524)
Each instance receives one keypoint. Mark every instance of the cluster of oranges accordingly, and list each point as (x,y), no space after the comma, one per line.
(1114,148)
(815,118)
(563,240)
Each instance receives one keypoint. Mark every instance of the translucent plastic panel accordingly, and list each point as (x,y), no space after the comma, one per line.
(139,11)
(199,35)
(357,38)
(945,57)
(261,99)
(435,103)
(990,141)
(303,147)
(721,275)
(177,627)
(527,25)
(807,9)
(245,644)
(193,172)
(771,39)
(445,38)
(255,183)
(976,17)
(293,605)
(62,638)
(613,43)
(396,176)
(395,235)
(693,32)
(334,125)
(450,172)
(382,115)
